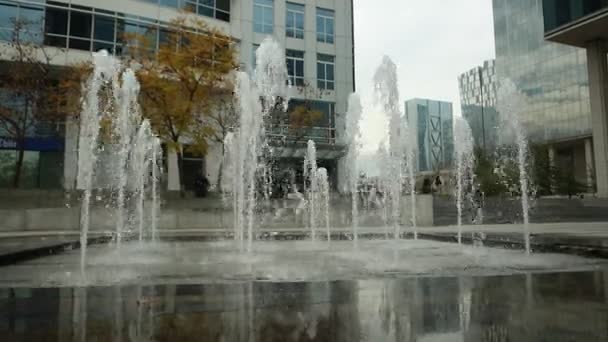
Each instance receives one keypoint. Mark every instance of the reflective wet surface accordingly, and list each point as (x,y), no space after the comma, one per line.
(523,307)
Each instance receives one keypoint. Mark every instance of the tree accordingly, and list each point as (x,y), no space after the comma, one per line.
(485,172)
(182,80)
(25,89)
(303,116)
(223,119)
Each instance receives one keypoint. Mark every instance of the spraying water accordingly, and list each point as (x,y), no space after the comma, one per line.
(510,105)
(105,68)
(408,150)
(245,147)
(383,186)
(353,134)
(322,185)
(141,156)
(107,94)
(400,150)
(157,155)
(310,178)
(465,159)
(126,118)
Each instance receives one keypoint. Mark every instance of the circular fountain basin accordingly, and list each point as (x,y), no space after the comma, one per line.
(199,262)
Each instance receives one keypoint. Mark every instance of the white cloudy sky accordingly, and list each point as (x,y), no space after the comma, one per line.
(431,41)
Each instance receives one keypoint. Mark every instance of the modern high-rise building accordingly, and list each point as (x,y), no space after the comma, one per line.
(431,123)
(317,36)
(478,103)
(554,80)
(582,25)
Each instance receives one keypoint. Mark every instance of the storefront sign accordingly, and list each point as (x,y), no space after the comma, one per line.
(34,144)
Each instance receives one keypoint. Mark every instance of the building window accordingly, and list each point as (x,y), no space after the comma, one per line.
(263,16)
(295,67)
(294,25)
(29,17)
(218,9)
(325,25)
(325,71)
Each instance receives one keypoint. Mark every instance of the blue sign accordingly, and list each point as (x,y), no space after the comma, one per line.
(42,144)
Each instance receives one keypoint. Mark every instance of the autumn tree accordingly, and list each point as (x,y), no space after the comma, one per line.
(181,82)
(223,119)
(25,85)
(303,116)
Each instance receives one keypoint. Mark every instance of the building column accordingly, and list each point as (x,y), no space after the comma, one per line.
(589,164)
(173,182)
(552,167)
(597,66)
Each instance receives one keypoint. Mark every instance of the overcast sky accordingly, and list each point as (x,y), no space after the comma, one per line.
(431,41)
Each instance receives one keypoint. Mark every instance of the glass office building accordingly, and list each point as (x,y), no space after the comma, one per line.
(478,103)
(558,13)
(432,125)
(554,80)
(553,77)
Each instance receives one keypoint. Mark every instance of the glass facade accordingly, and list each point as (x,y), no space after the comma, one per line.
(558,13)
(295,67)
(323,130)
(294,21)
(29,16)
(263,16)
(553,77)
(432,124)
(325,26)
(218,9)
(63,25)
(325,71)
(478,103)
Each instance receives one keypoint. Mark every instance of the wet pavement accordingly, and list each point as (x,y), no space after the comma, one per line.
(526,307)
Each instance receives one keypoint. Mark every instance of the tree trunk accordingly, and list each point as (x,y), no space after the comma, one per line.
(180,171)
(19,162)
(221,171)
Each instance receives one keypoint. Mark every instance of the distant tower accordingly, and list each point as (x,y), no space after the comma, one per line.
(478,101)
(431,122)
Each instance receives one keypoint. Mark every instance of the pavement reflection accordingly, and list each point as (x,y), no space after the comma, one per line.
(528,307)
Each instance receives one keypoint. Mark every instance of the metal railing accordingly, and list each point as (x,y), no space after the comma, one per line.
(287,133)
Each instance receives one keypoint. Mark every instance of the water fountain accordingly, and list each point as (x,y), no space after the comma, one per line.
(269,85)
(353,118)
(125,120)
(105,68)
(464,159)
(401,149)
(511,103)
(322,187)
(310,186)
(113,95)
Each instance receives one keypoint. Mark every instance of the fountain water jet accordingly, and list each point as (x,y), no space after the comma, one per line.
(322,184)
(310,179)
(157,155)
(511,103)
(270,85)
(141,158)
(353,118)
(105,68)
(465,159)
(113,95)
(401,149)
(126,118)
